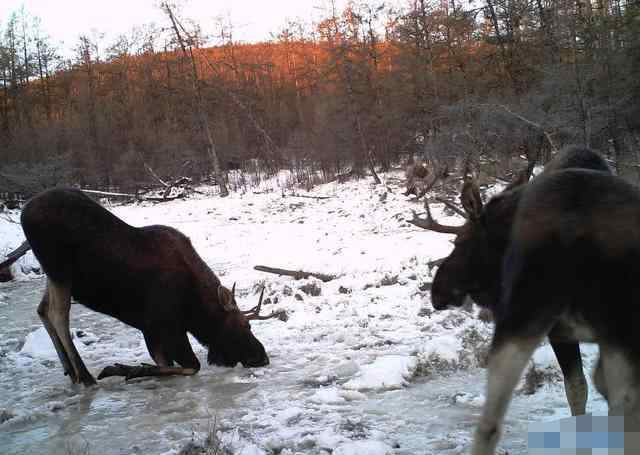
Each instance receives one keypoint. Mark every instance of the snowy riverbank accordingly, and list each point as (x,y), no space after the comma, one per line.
(362,366)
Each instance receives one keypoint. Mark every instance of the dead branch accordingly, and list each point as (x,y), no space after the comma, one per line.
(522,118)
(372,168)
(110,194)
(153,174)
(180,195)
(297,274)
(8,219)
(15,255)
(135,196)
(310,197)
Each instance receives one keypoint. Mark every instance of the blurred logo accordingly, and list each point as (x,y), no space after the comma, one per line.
(582,435)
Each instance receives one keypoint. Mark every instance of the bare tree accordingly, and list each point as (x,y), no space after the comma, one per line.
(187,43)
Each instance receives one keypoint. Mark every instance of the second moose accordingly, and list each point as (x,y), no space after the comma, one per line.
(150,278)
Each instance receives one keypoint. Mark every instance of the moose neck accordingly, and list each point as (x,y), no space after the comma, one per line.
(206,314)
(498,218)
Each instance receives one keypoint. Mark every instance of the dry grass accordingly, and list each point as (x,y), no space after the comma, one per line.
(207,444)
(78,448)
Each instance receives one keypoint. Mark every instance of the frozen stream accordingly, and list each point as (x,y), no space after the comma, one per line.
(361,368)
(273,405)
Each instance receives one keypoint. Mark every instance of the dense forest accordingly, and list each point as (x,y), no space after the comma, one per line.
(361,89)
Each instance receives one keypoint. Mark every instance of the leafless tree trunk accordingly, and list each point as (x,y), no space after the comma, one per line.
(187,50)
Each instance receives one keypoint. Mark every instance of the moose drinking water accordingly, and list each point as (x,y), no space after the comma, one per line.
(150,278)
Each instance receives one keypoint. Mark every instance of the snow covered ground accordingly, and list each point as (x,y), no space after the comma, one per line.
(362,366)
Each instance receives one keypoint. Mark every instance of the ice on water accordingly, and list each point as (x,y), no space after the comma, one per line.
(363,368)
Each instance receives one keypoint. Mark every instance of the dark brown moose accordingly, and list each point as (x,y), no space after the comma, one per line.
(566,270)
(474,266)
(150,278)
(572,265)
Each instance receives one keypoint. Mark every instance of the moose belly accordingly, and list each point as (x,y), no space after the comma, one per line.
(124,306)
(574,328)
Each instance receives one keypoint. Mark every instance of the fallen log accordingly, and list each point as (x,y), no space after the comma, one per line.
(11,258)
(134,196)
(297,274)
(310,197)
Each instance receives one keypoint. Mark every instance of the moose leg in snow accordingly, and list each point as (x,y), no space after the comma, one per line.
(54,311)
(599,380)
(508,359)
(575,384)
(43,312)
(164,353)
(621,386)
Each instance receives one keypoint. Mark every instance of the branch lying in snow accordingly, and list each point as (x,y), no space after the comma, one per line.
(135,196)
(15,255)
(297,274)
(167,186)
(109,193)
(8,219)
(310,197)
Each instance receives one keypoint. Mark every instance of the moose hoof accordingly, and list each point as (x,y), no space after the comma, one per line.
(88,380)
(485,440)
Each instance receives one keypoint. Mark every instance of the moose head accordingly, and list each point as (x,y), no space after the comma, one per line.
(235,342)
(473,267)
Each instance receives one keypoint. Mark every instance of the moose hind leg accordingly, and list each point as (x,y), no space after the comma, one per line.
(58,308)
(575,383)
(43,312)
(508,359)
(616,374)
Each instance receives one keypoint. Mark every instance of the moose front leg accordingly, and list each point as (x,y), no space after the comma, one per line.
(508,359)
(54,312)
(164,354)
(144,370)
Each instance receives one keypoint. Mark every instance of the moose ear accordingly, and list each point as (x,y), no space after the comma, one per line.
(470,198)
(226,298)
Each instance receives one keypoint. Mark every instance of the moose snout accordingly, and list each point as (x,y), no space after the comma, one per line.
(442,299)
(256,362)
